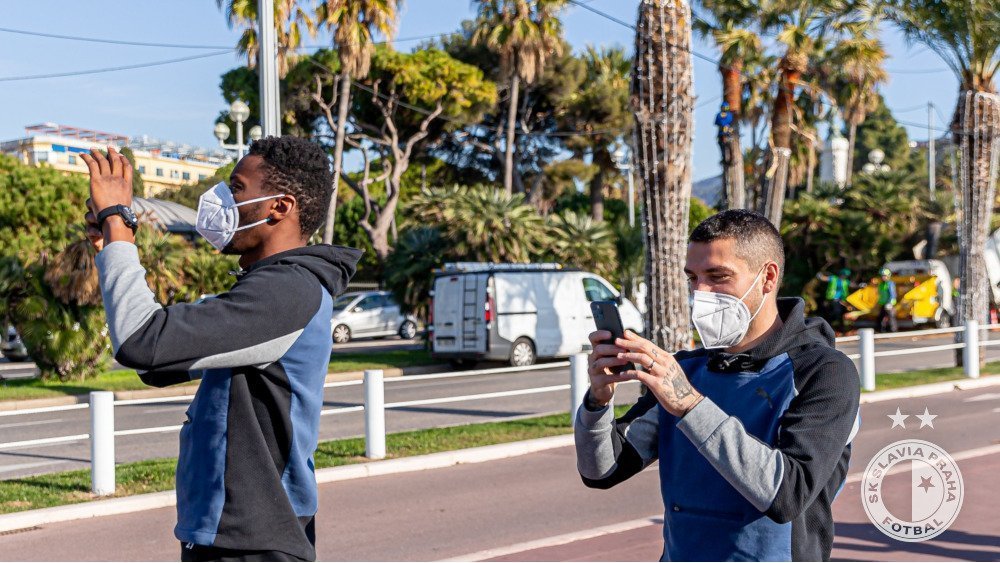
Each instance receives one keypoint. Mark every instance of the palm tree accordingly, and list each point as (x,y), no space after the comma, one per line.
(802,27)
(966,35)
(525,34)
(662,102)
(857,61)
(729,27)
(353,23)
(289,18)
(600,113)
(580,241)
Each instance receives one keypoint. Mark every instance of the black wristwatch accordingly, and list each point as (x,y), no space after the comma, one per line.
(123,211)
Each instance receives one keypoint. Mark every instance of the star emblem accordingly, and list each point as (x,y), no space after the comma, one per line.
(898,419)
(925,484)
(926,419)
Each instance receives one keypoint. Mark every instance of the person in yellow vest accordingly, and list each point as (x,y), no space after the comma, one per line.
(887,300)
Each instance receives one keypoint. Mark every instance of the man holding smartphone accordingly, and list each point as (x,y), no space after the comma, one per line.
(752,431)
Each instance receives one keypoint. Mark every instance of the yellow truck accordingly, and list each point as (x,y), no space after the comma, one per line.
(924,295)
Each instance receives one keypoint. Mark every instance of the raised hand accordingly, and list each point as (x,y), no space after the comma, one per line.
(658,370)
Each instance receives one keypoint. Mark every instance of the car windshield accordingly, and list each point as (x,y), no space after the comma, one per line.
(343,301)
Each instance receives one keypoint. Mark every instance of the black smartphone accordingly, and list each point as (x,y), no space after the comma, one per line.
(607,317)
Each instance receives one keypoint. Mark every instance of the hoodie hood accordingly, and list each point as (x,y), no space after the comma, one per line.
(796,331)
(333,266)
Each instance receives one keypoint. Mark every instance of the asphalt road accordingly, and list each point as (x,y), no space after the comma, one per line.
(162,419)
(534,507)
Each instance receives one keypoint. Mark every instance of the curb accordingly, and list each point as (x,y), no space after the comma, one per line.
(187,390)
(930,389)
(138,503)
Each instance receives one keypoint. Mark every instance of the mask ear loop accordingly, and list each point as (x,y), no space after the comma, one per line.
(761,306)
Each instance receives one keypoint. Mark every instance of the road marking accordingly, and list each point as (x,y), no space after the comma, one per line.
(162,410)
(155,430)
(20,466)
(442,400)
(46,409)
(37,423)
(983,397)
(43,441)
(561,539)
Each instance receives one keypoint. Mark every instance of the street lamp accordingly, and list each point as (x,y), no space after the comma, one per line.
(874,164)
(256,133)
(623,161)
(239,111)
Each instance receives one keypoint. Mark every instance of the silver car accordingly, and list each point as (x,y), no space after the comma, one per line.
(370,314)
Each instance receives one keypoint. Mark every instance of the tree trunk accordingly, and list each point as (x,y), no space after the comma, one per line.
(776,178)
(661,99)
(733,186)
(508,170)
(811,167)
(338,152)
(978,136)
(852,137)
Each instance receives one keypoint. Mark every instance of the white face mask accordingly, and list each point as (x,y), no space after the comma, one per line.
(218,219)
(722,320)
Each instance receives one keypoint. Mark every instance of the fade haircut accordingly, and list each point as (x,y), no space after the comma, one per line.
(299,168)
(757,241)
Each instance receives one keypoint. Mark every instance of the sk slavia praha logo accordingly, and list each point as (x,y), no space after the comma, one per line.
(912,489)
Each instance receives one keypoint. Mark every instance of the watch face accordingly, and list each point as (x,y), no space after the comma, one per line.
(129,216)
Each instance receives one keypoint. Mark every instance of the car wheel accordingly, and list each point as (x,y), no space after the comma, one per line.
(342,334)
(408,330)
(522,353)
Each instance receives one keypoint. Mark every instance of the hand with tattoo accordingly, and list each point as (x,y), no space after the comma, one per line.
(656,368)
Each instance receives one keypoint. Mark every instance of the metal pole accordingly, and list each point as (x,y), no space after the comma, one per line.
(268,70)
(240,149)
(970,354)
(579,382)
(102,442)
(867,359)
(631,197)
(931,159)
(374,414)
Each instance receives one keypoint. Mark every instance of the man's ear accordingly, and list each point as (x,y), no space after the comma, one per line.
(282,208)
(771,273)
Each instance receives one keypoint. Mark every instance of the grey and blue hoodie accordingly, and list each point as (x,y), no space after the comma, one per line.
(245,476)
(750,473)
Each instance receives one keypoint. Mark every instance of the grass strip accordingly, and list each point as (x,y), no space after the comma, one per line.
(71,487)
(923,376)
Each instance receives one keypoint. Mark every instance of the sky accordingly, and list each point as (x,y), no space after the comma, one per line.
(180,101)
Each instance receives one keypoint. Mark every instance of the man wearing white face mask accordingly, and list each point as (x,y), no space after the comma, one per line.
(246,489)
(752,431)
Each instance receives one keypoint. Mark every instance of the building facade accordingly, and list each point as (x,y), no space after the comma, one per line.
(163,165)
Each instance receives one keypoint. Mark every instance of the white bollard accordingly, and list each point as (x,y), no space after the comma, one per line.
(867,358)
(579,382)
(970,354)
(102,442)
(374,414)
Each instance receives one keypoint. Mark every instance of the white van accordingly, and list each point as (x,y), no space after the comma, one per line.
(516,312)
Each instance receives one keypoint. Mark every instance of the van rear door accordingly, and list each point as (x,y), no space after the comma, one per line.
(459,313)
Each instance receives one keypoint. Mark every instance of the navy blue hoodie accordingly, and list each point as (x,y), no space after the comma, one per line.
(245,475)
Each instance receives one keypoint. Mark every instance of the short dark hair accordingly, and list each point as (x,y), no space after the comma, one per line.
(757,241)
(299,168)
